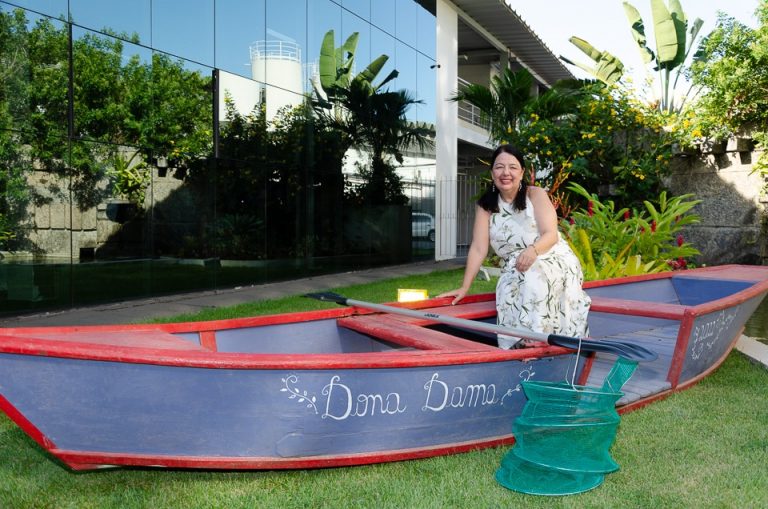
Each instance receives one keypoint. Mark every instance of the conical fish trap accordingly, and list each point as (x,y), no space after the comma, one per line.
(563,436)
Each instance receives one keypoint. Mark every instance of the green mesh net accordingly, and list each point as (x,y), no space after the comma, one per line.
(564,434)
(519,475)
(580,446)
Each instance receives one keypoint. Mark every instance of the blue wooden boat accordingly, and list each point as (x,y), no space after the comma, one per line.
(344,386)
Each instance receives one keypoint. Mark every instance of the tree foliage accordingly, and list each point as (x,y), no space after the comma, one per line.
(369,117)
(120,109)
(733,71)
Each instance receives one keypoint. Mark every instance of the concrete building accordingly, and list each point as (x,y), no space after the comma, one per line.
(274,212)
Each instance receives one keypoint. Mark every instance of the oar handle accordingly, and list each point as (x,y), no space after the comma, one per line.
(458,322)
(624,349)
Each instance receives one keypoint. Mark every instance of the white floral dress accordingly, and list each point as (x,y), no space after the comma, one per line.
(548,297)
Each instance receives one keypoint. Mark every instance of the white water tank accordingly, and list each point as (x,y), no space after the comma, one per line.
(278,64)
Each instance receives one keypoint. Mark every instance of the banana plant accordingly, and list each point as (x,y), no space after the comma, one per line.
(673,44)
(607,68)
(335,71)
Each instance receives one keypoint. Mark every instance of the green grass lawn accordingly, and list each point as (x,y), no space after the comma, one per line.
(704,447)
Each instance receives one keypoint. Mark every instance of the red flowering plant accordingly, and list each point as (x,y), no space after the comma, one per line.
(613,243)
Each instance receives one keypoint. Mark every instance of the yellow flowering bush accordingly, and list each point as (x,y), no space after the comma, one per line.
(612,143)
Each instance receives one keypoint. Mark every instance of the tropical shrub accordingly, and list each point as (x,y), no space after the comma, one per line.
(130,180)
(612,143)
(612,243)
(733,71)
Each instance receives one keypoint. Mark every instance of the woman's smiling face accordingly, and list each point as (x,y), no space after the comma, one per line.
(507,173)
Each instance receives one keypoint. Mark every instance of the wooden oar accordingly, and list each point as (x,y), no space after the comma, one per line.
(629,351)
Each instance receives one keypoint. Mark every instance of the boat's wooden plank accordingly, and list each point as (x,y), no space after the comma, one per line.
(406,333)
(652,308)
(153,339)
(635,392)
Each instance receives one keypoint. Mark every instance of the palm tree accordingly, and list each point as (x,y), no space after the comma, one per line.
(376,122)
(510,100)
(368,116)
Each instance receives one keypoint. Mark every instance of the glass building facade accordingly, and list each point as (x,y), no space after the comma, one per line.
(150,147)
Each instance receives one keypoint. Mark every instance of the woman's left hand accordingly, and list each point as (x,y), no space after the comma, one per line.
(525,259)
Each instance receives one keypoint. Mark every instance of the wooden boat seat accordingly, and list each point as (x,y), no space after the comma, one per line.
(638,307)
(153,339)
(409,332)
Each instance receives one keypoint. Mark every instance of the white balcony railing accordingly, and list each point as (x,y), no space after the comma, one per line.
(469,112)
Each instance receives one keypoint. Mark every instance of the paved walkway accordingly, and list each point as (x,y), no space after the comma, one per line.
(134,311)
(754,349)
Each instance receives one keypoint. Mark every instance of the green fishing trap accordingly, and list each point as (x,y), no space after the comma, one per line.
(563,435)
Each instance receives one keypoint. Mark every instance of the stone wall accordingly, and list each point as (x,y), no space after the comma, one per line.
(733,208)
(56,228)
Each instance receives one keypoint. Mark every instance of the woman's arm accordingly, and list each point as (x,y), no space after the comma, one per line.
(546,221)
(478,250)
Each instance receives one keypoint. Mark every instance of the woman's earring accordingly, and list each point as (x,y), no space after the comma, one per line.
(521,186)
(493,187)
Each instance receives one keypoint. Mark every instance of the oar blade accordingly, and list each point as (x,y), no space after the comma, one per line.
(629,351)
(328,297)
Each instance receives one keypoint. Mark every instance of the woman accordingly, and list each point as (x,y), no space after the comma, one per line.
(540,284)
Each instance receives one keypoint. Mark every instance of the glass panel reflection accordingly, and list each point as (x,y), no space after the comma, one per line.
(284,49)
(181,95)
(383,15)
(126,20)
(184,28)
(426,74)
(323,15)
(383,44)
(427,32)
(360,7)
(35,79)
(351,24)
(406,23)
(406,61)
(54,8)
(111,86)
(239,25)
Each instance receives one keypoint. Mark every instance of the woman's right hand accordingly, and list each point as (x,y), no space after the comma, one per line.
(458,294)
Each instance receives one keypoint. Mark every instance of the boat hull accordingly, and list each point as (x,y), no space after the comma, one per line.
(264,418)
(343,386)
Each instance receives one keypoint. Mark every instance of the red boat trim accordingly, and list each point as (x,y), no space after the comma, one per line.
(638,308)
(24,423)
(208,340)
(586,370)
(78,460)
(225,360)
(681,347)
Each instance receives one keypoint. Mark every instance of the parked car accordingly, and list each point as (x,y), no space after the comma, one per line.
(423,225)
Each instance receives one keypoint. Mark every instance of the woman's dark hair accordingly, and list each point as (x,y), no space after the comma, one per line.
(490,198)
